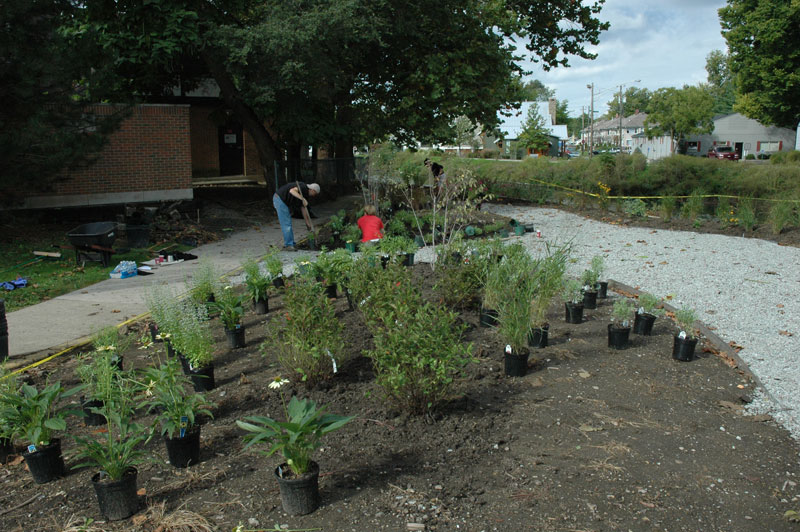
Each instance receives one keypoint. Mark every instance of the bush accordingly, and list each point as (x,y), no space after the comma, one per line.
(781,216)
(635,207)
(746,214)
(310,343)
(693,207)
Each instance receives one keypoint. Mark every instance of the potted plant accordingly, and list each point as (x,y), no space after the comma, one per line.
(514,326)
(351,237)
(325,269)
(685,342)
(33,415)
(646,314)
(619,329)
(573,301)
(274,268)
(589,282)
(493,290)
(401,247)
(230,306)
(176,412)
(9,388)
(599,268)
(549,278)
(296,438)
(257,282)
(98,373)
(115,453)
(203,282)
(194,342)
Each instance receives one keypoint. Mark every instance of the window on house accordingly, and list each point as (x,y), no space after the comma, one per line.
(769,145)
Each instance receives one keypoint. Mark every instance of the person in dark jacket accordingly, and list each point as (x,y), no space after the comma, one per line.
(285,199)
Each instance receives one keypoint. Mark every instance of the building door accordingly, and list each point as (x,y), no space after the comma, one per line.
(231,150)
(737,147)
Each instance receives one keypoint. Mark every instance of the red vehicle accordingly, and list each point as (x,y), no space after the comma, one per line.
(723,152)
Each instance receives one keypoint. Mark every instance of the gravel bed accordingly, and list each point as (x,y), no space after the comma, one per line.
(748,289)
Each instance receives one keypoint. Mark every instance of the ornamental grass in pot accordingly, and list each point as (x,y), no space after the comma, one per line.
(34,416)
(685,342)
(194,342)
(573,300)
(589,289)
(176,409)
(8,387)
(257,282)
(230,306)
(515,308)
(646,314)
(98,372)
(549,276)
(296,438)
(203,282)
(599,267)
(274,268)
(115,453)
(619,329)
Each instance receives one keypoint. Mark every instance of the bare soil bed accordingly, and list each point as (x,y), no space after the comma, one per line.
(591,439)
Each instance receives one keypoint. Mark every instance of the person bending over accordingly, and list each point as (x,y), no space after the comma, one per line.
(371,226)
(285,199)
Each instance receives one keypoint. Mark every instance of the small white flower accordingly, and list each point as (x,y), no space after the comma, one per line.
(163,336)
(106,348)
(277,382)
(147,345)
(228,287)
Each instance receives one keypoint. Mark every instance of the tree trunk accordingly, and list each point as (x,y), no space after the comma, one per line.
(265,142)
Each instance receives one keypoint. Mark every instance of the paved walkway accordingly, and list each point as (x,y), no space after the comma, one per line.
(66,320)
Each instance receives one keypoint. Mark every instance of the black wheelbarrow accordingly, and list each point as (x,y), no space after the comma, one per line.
(93,241)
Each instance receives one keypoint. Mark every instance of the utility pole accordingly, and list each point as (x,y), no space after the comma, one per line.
(583,127)
(591,122)
(620,118)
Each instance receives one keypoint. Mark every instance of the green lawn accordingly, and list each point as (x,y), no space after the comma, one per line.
(49,278)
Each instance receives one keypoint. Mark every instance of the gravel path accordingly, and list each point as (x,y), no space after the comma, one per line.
(748,289)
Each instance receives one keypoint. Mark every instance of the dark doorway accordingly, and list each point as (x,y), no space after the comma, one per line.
(231,150)
(737,147)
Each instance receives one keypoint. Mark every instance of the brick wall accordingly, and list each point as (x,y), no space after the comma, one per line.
(205,143)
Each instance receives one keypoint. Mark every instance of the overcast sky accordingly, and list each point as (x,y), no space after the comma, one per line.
(663,43)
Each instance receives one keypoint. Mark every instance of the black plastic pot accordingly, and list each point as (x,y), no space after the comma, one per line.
(183,452)
(516,364)
(153,328)
(602,289)
(46,463)
(683,348)
(384,261)
(643,324)
(90,419)
(618,337)
(261,306)
(488,317)
(419,241)
(574,312)
(538,337)
(278,282)
(407,259)
(202,378)
(235,337)
(330,291)
(590,299)
(299,495)
(117,498)
(350,246)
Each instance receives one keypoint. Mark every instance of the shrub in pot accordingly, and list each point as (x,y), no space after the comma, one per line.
(33,415)
(176,410)
(230,306)
(516,308)
(684,343)
(401,248)
(573,300)
(549,276)
(9,388)
(115,453)
(296,438)
(646,314)
(274,268)
(619,329)
(165,308)
(599,267)
(98,372)
(257,282)
(310,344)
(589,282)
(195,343)
(203,282)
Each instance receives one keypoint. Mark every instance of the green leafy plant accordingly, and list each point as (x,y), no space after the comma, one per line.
(332,266)
(310,343)
(781,216)
(666,208)
(685,317)
(273,264)
(621,312)
(192,336)
(351,233)
(297,437)
(648,304)
(589,280)
(9,390)
(635,207)
(230,306)
(257,280)
(549,278)
(337,222)
(515,303)
(117,449)
(571,291)
(165,390)
(693,207)
(98,372)
(203,281)
(394,245)
(34,415)
(746,214)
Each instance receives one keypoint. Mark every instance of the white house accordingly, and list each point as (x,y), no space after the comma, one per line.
(511,126)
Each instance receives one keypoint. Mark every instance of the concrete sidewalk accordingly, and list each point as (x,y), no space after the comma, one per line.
(59,323)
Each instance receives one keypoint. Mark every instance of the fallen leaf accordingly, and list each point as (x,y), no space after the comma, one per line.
(584,375)
(641,242)
(115,311)
(141,492)
(760,418)
(771,273)
(779,305)
(735,346)
(17,460)
(138,520)
(663,262)
(647,504)
(243,379)
(731,406)
(589,428)
(785,333)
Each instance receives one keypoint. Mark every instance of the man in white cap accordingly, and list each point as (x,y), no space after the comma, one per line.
(285,199)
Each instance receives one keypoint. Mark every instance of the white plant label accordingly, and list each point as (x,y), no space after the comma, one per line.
(508,349)
(640,311)
(682,335)
(332,360)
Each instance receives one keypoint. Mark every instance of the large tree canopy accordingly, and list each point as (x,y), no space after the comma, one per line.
(680,113)
(720,82)
(634,100)
(44,87)
(764,45)
(323,71)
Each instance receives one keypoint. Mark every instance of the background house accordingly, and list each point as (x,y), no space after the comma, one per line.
(607,132)
(510,128)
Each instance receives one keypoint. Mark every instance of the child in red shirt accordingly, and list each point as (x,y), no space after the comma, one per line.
(370,225)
